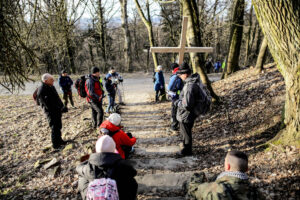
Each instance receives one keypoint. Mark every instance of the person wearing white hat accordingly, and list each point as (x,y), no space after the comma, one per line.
(159,84)
(106,161)
(124,141)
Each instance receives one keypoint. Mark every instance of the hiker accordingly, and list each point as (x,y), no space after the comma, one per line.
(111,91)
(217,66)
(174,88)
(124,141)
(190,104)
(105,163)
(65,83)
(159,84)
(116,79)
(233,183)
(208,65)
(53,107)
(95,96)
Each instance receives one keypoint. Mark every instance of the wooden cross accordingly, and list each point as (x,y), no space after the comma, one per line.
(182,48)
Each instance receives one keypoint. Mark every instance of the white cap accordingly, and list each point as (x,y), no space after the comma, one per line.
(115,119)
(105,144)
(159,67)
(46,76)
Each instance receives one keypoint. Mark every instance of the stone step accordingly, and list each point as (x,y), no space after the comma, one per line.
(159,140)
(157,150)
(166,198)
(165,163)
(164,182)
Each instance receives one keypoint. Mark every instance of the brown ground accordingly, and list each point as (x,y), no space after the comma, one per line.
(249,116)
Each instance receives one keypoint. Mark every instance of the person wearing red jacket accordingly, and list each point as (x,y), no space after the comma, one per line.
(95,95)
(124,142)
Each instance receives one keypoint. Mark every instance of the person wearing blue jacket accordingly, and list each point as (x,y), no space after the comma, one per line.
(174,88)
(65,83)
(111,91)
(159,84)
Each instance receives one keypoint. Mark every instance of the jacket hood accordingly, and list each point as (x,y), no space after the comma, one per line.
(104,159)
(194,78)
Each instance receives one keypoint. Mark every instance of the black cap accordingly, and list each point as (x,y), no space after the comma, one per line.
(95,70)
(63,71)
(184,68)
(174,66)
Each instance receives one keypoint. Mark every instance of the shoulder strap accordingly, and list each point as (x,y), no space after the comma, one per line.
(112,133)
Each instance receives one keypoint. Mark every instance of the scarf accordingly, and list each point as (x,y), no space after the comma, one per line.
(239,175)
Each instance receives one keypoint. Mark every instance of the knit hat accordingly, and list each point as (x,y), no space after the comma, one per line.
(105,144)
(95,70)
(174,66)
(159,67)
(184,68)
(115,119)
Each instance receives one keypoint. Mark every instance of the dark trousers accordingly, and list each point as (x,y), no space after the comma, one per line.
(186,131)
(127,149)
(65,97)
(174,121)
(158,93)
(97,113)
(55,124)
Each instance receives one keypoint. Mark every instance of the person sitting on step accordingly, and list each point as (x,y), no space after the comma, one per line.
(124,141)
(106,161)
(233,183)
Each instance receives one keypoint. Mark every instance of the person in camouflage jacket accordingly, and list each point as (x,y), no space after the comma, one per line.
(233,184)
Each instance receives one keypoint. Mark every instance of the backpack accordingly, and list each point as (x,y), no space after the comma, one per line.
(80,86)
(203,104)
(34,96)
(103,188)
(153,77)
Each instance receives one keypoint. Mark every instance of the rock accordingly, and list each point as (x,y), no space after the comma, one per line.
(53,162)
(54,172)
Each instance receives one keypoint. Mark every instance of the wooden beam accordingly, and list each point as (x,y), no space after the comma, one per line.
(178,49)
(183,38)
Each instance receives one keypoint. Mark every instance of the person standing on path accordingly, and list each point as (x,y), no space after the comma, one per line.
(111,91)
(65,83)
(95,96)
(53,107)
(159,84)
(116,79)
(187,102)
(174,88)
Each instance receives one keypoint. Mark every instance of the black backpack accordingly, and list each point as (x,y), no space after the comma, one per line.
(80,86)
(203,105)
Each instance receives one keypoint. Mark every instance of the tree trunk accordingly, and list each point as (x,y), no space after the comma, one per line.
(236,35)
(102,31)
(248,37)
(149,27)
(280,21)
(261,56)
(190,10)
(127,39)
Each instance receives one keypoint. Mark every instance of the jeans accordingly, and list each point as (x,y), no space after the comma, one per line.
(97,113)
(111,103)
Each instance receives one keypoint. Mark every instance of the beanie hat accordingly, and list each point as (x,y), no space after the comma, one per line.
(174,66)
(115,119)
(105,144)
(159,67)
(184,68)
(95,70)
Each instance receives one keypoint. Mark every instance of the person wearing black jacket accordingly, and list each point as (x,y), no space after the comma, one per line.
(106,161)
(53,107)
(65,83)
(111,90)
